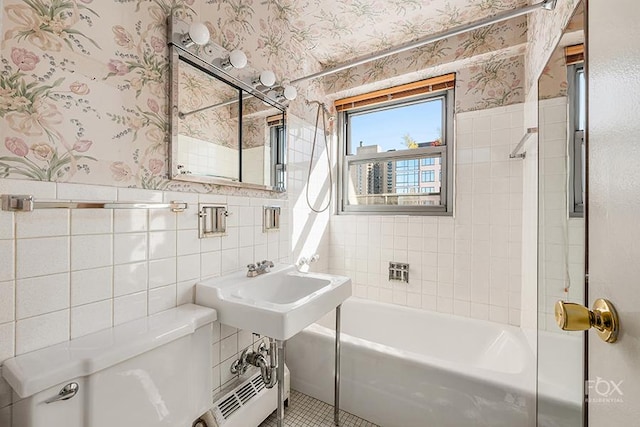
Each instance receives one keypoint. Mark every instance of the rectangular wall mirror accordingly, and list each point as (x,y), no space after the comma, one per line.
(223,131)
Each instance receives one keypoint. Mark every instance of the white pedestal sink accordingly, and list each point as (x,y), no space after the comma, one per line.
(277,304)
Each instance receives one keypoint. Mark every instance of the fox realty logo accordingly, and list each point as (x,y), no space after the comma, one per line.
(604,391)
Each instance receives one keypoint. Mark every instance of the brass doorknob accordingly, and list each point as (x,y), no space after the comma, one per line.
(575,317)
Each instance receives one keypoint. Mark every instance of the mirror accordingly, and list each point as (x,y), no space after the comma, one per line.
(263,145)
(561,227)
(207,140)
(223,131)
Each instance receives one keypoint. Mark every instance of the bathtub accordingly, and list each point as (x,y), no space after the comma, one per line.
(427,370)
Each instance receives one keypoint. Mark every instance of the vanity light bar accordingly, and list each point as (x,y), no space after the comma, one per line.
(27,203)
(191,56)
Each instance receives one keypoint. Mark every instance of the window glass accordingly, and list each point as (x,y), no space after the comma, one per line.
(395,156)
(418,124)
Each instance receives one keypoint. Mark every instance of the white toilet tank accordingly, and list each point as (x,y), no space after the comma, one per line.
(151,372)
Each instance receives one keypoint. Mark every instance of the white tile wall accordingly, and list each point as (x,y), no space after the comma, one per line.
(91,285)
(41,295)
(41,331)
(64,274)
(561,249)
(469,264)
(93,317)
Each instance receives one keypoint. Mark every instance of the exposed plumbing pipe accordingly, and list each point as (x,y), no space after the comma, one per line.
(546,4)
(267,370)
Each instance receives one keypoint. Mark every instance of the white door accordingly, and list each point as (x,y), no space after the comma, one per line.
(614,207)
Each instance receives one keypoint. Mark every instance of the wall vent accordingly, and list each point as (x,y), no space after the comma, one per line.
(233,401)
(228,406)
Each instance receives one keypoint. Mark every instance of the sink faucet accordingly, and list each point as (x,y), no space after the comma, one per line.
(259,267)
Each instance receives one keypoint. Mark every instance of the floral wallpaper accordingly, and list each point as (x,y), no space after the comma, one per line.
(218,125)
(83,83)
(254,132)
(336,31)
(493,83)
(479,59)
(545,29)
(83,86)
(553,80)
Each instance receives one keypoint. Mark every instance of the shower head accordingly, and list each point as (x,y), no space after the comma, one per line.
(320,104)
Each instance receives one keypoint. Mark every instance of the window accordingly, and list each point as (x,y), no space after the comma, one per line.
(577,151)
(397,155)
(428,176)
(278,155)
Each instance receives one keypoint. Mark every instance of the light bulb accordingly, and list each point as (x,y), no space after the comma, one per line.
(237,59)
(199,33)
(290,92)
(267,78)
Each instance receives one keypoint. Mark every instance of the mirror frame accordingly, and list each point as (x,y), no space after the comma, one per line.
(190,55)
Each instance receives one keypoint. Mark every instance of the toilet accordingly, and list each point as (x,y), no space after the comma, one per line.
(150,372)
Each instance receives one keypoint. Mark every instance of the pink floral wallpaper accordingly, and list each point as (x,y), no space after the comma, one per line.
(553,80)
(553,83)
(83,83)
(218,125)
(545,29)
(470,55)
(83,86)
(334,31)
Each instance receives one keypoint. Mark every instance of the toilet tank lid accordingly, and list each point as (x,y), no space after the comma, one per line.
(33,372)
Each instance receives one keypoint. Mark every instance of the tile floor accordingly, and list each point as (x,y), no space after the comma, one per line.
(305,411)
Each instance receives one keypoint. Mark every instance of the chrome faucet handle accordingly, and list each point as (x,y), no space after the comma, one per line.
(307,261)
(252,270)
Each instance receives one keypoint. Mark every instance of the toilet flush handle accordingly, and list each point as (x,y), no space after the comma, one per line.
(67,392)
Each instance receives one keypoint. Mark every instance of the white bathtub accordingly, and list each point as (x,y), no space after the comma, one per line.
(427,370)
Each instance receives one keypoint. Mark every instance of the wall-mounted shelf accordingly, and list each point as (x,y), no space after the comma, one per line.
(271,218)
(27,203)
(212,220)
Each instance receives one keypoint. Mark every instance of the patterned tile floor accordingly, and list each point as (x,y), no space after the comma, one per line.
(305,411)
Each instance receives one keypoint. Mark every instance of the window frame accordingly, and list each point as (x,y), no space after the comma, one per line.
(345,160)
(278,140)
(576,147)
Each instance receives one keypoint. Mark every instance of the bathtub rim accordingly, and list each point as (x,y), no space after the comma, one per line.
(523,381)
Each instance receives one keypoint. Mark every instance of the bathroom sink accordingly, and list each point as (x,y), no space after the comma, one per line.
(278,304)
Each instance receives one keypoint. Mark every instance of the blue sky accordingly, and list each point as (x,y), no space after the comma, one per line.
(387,127)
